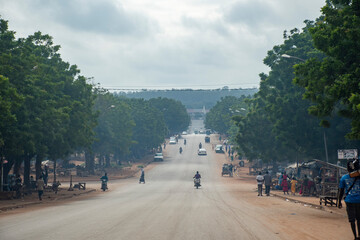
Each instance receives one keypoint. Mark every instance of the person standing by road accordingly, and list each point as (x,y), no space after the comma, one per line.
(142,176)
(260,181)
(268,181)
(293,185)
(40,187)
(350,187)
(284,184)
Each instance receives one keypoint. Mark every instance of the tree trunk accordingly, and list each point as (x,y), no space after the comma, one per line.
(54,171)
(89,161)
(17,166)
(107,160)
(27,159)
(7,169)
(38,169)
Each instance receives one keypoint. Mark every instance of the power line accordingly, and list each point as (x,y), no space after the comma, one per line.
(169,87)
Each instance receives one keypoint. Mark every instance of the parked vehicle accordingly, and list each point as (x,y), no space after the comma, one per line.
(202,151)
(219,149)
(172,140)
(158,157)
(227,170)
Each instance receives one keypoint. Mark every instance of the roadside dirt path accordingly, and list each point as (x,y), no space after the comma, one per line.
(117,178)
(289,219)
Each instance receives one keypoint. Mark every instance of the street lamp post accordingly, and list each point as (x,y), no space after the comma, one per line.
(288,56)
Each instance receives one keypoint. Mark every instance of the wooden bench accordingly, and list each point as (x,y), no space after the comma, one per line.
(80,185)
(7,195)
(331,200)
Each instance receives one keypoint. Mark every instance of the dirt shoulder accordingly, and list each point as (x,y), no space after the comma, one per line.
(31,202)
(290,217)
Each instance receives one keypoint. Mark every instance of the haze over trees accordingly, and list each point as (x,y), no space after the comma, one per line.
(192,99)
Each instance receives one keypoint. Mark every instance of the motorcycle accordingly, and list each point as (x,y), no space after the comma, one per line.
(104,184)
(200,145)
(197,182)
(180,150)
(184,141)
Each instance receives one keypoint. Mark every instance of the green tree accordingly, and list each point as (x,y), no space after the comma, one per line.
(55,116)
(332,83)
(150,128)
(219,118)
(114,129)
(174,113)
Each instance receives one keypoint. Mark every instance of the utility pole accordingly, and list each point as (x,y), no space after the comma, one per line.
(326,150)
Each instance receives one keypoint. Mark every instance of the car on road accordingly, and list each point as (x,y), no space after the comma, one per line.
(219,149)
(202,151)
(172,140)
(158,157)
(184,133)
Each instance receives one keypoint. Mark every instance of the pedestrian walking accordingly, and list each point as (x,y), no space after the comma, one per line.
(284,184)
(293,185)
(40,187)
(268,182)
(260,181)
(18,186)
(142,176)
(231,169)
(350,187)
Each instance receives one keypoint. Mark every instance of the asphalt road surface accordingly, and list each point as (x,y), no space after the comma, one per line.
(166,207)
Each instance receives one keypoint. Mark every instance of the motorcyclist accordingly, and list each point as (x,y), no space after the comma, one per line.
(200,145)
(180,150)
(104,179)
(197,176)
(184,141)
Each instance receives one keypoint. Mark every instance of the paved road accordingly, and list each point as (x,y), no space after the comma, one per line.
(166,207)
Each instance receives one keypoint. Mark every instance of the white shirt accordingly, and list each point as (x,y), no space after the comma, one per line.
(260,179)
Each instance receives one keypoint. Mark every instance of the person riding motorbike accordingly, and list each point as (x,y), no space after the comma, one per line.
(104,179)
(180,150)
(184,141)
(197,177)
(200,145)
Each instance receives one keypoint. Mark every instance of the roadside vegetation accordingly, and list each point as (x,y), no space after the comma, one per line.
(50,111)
(309,102)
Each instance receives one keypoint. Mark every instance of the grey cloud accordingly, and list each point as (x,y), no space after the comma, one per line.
(204,25)
(94,16)
(253,13)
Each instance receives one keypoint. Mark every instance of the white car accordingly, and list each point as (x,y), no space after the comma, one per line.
(184,133)
(202,151)
(172,140)
(158,157)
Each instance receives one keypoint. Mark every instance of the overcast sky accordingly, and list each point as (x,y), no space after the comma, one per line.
(163,43)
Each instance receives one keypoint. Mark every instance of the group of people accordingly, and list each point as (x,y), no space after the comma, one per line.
(349,191)
(285,182)
(15,183)
(264,179)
